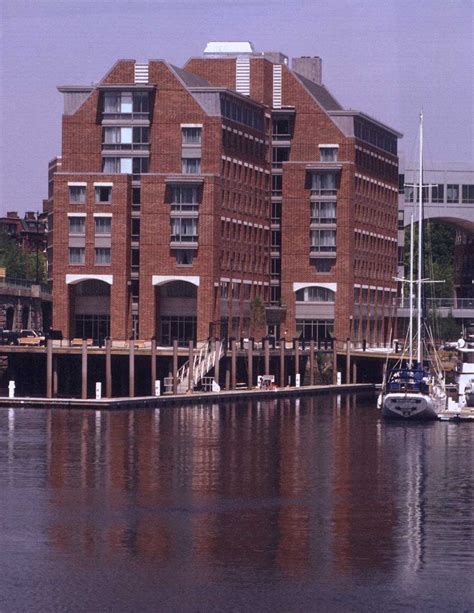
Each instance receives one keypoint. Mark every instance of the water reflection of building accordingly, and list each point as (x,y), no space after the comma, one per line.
(364,517)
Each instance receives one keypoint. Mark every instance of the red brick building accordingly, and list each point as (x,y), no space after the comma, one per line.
(183,194)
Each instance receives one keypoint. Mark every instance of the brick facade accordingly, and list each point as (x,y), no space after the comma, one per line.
(229,258)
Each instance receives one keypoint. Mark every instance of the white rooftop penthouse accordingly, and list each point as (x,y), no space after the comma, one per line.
(218,48)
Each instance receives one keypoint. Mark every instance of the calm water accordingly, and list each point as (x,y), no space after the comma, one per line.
(288,505)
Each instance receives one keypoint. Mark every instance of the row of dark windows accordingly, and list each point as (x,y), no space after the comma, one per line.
(438,193)
(375,136)
(242,113)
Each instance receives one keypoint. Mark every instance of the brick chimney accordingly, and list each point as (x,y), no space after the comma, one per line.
(12,215)
(30,216)
(309,67)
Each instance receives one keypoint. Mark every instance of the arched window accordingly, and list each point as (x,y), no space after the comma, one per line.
(315,294)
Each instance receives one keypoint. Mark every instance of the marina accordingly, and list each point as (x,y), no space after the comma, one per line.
(278,502)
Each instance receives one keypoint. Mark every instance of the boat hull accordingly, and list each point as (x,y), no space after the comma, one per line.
(412,406)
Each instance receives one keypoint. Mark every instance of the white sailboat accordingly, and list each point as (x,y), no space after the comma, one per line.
(415,389)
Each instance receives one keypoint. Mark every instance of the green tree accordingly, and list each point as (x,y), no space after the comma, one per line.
(20,263)
(258,319)
(438,247)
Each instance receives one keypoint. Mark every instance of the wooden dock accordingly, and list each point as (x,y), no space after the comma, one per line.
(154,402)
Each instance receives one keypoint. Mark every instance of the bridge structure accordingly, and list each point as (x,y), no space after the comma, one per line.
(448,197)
(24,304)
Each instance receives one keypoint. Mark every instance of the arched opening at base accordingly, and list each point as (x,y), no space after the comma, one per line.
(176,308)
(90,304)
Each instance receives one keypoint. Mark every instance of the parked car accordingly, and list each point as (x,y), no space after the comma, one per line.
(30,338)
(9,337)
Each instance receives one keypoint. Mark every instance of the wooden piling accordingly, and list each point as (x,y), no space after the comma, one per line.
(217,362)
(84,370)
(266,345)
(49,369)
(282,362)
(354,371)
(250,364)
(311,362)
(108,368)
(233,365)
(131,368)
(191,366)
(348,360)
(296,345)
(175,367)
(55,376)
(153,365)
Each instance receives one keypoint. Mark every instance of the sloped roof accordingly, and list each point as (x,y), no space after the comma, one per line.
(320,94)
(189,79)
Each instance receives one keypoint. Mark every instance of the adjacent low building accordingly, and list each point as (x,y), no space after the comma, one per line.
(183,197)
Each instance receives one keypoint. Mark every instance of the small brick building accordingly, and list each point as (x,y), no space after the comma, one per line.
(181,195)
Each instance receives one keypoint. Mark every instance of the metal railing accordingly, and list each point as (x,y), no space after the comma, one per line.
(203,362)
(440,303)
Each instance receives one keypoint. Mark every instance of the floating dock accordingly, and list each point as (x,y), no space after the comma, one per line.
(155,402)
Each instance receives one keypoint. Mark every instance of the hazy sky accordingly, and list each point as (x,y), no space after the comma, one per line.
(387,58)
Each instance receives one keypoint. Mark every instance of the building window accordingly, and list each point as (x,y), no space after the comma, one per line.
(102,256)
(320,330)
(77,194)
(139,166)
(135,258)
(315,294)
(184,198)
(184,230)
(323,264)
(191,136)
(401,220)
(275,294)
(452,193)
(323,212)
(281,129)
(117,136)
(136,195)
(135,228)
(103,195)
(409,193)
(277,182)
(77,225)
(96,327)
(103,225)
(437,194)
(328,154)
(276,239)
(180,328)
(276,212)
(77,255)
(184,257)
(280,155)
(112,165)
(323,240)
(126,102)
(275,269)
(468,194)
(323,183)
(191,166)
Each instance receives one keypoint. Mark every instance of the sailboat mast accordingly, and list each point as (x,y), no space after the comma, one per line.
(419,353)
(412,255)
